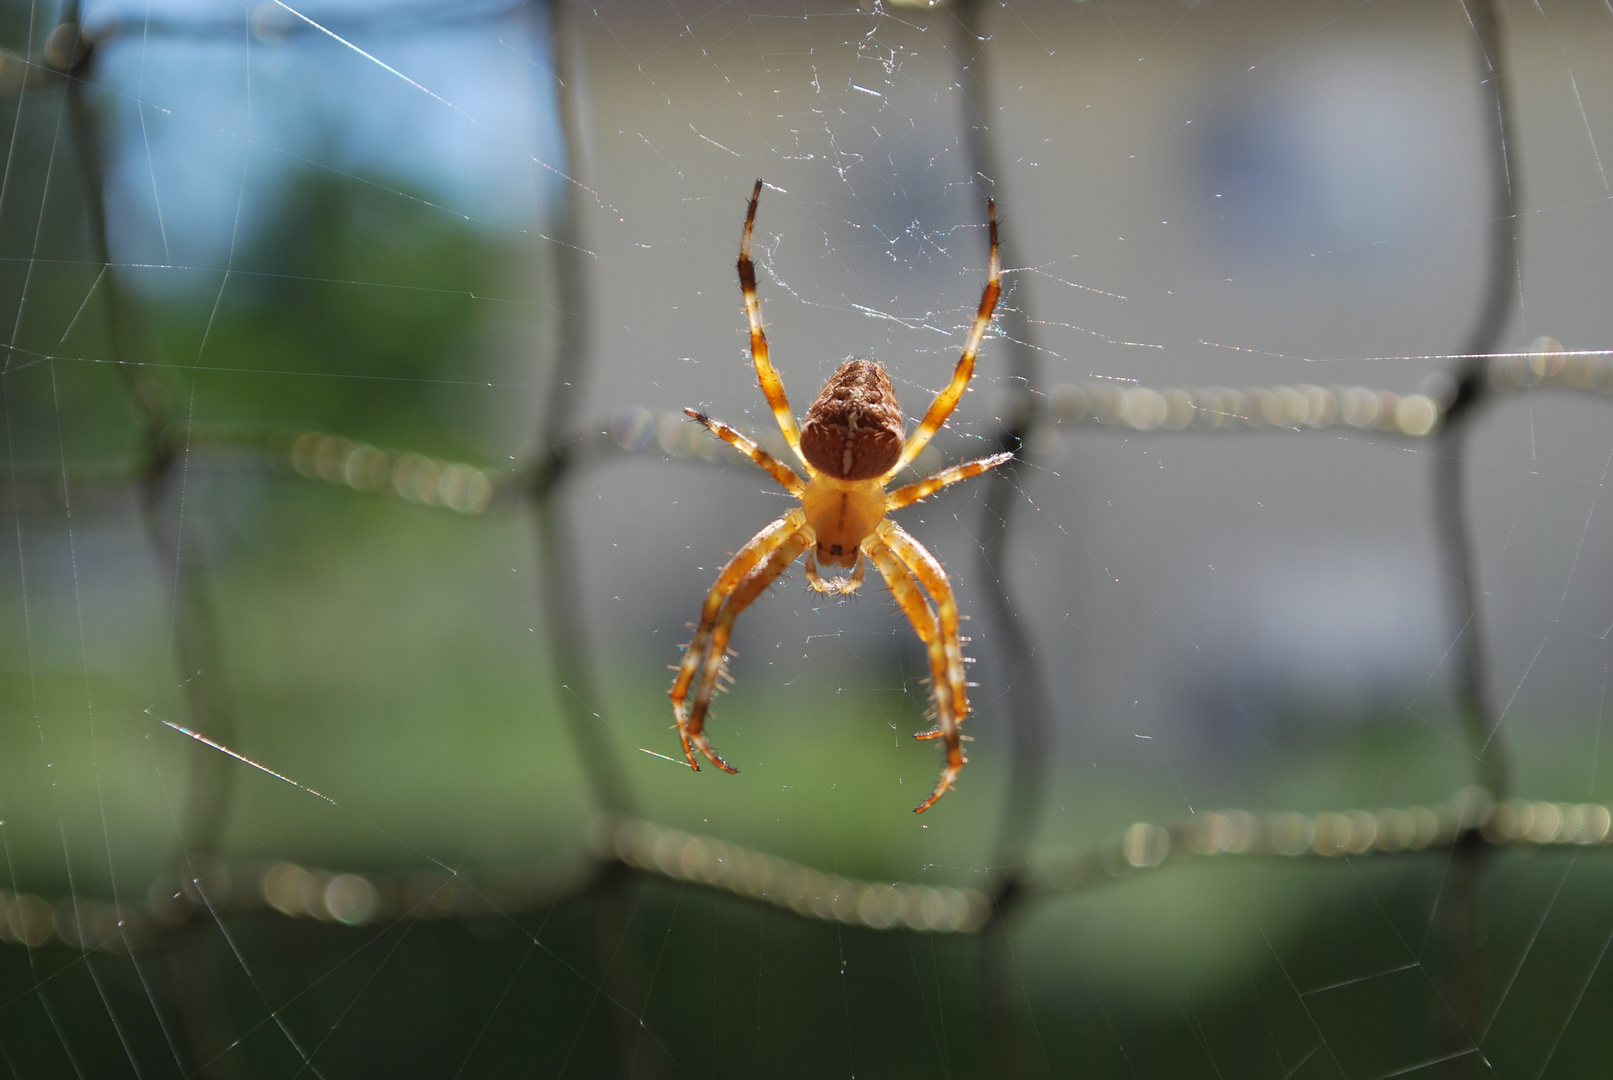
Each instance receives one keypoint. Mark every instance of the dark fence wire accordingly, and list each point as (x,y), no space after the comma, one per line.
(624,851)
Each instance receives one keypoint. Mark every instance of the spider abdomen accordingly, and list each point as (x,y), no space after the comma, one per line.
(854,430)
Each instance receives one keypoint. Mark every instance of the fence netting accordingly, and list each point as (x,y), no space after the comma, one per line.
(354,517)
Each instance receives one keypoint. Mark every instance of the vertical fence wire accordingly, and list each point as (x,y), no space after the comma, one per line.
(560,436)
(1029,705)
(194,628)
(1482,726)
(1459,909)
(1029,718)
(161,457)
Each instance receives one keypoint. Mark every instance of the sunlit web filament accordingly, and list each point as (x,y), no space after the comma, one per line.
(424,89)
(221,748)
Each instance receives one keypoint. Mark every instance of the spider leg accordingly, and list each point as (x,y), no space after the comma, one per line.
(837,586)
(744,561)
(948,399)
(775,468)
(814,579)
(772,385)
(923,489)
(692,727)
(856,580)
(928,570)
(922,616)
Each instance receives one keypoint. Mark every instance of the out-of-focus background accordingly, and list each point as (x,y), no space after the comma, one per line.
(345,353)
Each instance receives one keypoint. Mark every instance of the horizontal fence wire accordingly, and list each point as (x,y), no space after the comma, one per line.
(474,489)
(290,890)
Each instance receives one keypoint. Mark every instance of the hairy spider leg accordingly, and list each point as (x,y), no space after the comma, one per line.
(923,489)
(835,586)
(755,583)
(772,385)
(927,569)
(922,616)
(948,399)
(744,561)
(775,468)
(933,634)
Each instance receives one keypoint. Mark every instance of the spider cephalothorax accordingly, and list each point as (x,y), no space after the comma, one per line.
(851,446)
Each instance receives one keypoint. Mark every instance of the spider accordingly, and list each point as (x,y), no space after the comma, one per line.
(851,446)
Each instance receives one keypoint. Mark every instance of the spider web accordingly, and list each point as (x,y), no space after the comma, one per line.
(353,521)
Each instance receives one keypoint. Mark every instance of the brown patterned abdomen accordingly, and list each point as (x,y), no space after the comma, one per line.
(854,430)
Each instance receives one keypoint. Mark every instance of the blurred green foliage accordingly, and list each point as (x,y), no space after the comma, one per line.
(348,311)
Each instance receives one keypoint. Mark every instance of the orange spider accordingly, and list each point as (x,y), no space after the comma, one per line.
(851,445)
